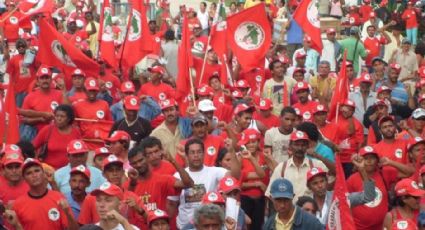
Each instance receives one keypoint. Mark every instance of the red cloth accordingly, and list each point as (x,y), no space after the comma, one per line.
(269,122)
(256,79)
(373,45)
(396,151)
(157,92)
(306,110)
(98,110)
(78,96)
(13,123)
(341,89)
(10,24)
(209,70)
(354,140)
(409,15)
(11,193)
(246,168)
(164,168)
(308,19)
(364,11)
(184,61)
(106,34)
(20,76)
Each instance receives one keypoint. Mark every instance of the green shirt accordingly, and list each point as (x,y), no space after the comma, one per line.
(349,44)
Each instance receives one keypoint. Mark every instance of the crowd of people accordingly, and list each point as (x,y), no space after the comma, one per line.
(120,150)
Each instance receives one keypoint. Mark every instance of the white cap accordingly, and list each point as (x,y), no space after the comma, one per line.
(418,113)
(206,105)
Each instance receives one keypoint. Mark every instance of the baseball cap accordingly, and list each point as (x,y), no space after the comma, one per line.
(101,151)
(10,158)
(302,85)
(241,108)
(157,69)
(77,146)
(131,103)
(119,135)
(300,55)
(199,118)
(330,30)
(248,135)
(91,84)
(167,103)
(381,102)
(242,84)
(127,87)
(319,108)
(385,119)
(421,72)
(383,88)
(365,77)
(156,215)
(228,184)
(406,41)
(265,104)
(282,188)
(284,59)
(418,113)
(409,187)
(111,159)
(30,162)
(298,69)
(237,94)
(354,30)
(395,66)
(206,105)
(109,189)
(404,224)
(204,90)
(315,171)
(11,148)
(350,103)
(298,135)
(213,198)
(44,70)
(375,59)
(367,150)
(414,141)
(78,72)
(81,169)
(372,14)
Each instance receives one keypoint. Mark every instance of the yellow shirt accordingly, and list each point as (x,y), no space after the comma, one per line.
(169,140)
(322,85)
(250,3)
(285,226)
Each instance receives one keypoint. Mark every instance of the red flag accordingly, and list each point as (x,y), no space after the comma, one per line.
(12,127)
(55,50)
(307,17)
(340,91)
(339,211)
(137,42)
(31,7)
(249,34)
(218,31)
(107,48)
(185,61)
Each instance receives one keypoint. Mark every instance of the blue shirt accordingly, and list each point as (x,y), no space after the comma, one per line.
(325,151)
(149,109)
(294,33)
(62,179)
(75,206)
(398,92)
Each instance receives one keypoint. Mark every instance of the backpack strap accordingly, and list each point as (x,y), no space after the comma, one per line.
(282,174)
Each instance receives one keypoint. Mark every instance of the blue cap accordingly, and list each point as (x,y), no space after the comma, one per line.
(282,188)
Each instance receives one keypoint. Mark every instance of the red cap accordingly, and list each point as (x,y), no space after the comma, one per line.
(228,184)
(315,171)
(404,224)
(395,66)
(298,135)
(167,103)
(101,151)
(157,69)
(420,83)
(385,119)
(300,55)
(365,77)
(91,84)
(82,170)
(76,147)
(421,98)
(237,94)
(409,3)
(242,84)
(78,72)
(80,3)
(156,215)
(350,103)
(421,72)
(366,1)
(302,85)
(213,198)
(119,135)
(10,158)
(44,70)
(109,189)
(30,162)
(11,148)
(284,59)
(128,87)
(248,135)
(241,108)
(298,69)
(348,63)
(307,38)
(131,103)
(319,108)
(383,88)
(265,104)
(367,150)
(372,15)
(409,187)
(330,31)
(414,141)
(205,90)
(111,159)
(381,102)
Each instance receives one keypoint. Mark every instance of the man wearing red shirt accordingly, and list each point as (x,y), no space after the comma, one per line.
(155,88)
(43,101)
(373,43)
(353,17)
(152,148)
(156,37)
(77,92)
(304,105)
(41,206)
(264,114)
(409,16)
(112,84)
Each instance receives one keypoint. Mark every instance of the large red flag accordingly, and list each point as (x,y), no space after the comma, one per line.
(12,127)
(249,36)
(55,50)
(341,90)
(307,17)
(137,43)
(339,211)
(107,48)
(185,60)
(218,31)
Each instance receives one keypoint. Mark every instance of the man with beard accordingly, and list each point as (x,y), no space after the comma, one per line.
(79,180)
(400,93)
(173,129)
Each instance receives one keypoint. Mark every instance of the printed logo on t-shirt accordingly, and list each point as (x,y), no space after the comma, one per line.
(13,20)
(14,147)
(258,78)
(78,39)
(398,153)
(162,96)
(307,115)
(54,214)
(212,196)
(211,150)
(229,182)
(78,145)
(100,114)
(146,198)
(195,193)
(159,212)
(53,105)
(377,199)
(221,99)
(108,84)
(414,185)
(157,39)
(402,224)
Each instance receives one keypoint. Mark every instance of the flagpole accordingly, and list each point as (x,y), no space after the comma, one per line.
(192,88)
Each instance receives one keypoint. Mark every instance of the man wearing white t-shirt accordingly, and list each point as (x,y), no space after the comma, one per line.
(206,179)
(203,16)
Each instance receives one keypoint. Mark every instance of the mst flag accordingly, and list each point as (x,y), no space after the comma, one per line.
(137,41)
(107,48)
(341,90)
(249,36)
(55,50)
(218,31)
(184,59)
(307,17)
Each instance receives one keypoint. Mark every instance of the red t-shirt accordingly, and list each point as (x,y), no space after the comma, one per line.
(21,76)
(11,25)
(56,150)
(269,122)
(373,46)
(45,211)
(112,84)
(164,168)
(354,19)
(209,70)
(329,131)
(78,96)
(370,216)
(396,151)
(248,167)
(306,110)
(256,79)
(350,142)
(364,11)
(98,110)
(409,15)
(157,92)
(223,112)
(156,42)
(11,193)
